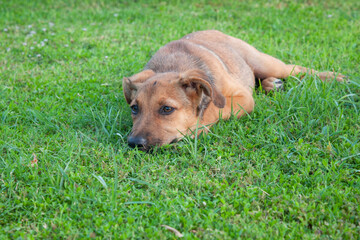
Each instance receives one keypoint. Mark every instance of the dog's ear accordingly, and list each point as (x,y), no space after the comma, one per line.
(199,89)
(131,84)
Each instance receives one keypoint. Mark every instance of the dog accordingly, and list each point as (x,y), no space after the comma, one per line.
(198,79)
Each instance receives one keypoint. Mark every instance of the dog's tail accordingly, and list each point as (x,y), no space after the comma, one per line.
(324,76)
(270,84)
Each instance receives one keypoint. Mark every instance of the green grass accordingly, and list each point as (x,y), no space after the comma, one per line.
(289,170)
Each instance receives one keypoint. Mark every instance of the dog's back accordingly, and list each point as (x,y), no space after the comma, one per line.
(220,56)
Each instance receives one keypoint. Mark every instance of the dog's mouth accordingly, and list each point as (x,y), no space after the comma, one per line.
(175,140)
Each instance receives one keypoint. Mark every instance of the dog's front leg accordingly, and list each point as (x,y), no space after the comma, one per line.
(235,105)
(238,106)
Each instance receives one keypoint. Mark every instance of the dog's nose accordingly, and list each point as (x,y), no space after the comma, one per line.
(137,141)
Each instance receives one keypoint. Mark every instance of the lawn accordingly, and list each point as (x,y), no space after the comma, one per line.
(291,169)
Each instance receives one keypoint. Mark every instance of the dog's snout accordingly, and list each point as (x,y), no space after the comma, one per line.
(137,141)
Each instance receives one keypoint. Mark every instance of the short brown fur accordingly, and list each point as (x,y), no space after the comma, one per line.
(202,76)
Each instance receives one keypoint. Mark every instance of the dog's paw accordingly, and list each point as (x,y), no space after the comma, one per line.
(342,78)
(272,84)
(278,85)
(329,76)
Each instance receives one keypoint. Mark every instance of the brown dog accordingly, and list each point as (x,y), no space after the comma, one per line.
(197,79)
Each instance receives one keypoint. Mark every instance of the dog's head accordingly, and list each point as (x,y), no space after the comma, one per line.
(165,106)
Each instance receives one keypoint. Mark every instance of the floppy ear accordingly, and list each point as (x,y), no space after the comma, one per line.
(197,86)
(131,84)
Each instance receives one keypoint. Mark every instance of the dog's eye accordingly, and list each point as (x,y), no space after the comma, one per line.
(134,109)
(166,110)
